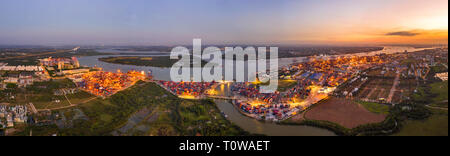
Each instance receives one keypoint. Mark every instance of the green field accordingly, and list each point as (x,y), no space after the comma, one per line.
(41,95)
(436,125)
(375,107)
(435,94)
(440,92)
(284,85)
(160,61)
(74,99)
(144,109)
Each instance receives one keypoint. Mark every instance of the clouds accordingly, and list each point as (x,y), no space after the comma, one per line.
(416,36)
(169,22)
(403,33)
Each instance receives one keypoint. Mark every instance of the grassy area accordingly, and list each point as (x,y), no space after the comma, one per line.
(50,103)
(375,107)
(79,97)
(440,90)
(145,109)
(436,125)
(284,85)
(32,60)
(435,93)
(22,61)
(41,95)
(408,61)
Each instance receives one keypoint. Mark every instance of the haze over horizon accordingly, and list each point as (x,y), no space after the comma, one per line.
(177,22)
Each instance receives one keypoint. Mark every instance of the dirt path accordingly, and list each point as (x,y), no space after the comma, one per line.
(372,91)
(33,108)
(298,118)
(381,93)
(343,112)
(71,105)
(441,108)
(393,89)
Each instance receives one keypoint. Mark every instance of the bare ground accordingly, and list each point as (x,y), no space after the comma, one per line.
(344,112)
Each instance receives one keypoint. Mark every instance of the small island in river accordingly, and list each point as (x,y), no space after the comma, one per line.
(158,61)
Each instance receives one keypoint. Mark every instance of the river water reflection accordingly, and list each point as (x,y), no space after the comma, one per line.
(270,129)
(248,124)
(164,73)
(234,115)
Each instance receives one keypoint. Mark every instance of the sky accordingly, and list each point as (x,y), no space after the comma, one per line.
(175,22)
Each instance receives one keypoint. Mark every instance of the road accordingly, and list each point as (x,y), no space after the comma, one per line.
(70,103)
(33,108)
(446,66)
(441,108)
(394,86)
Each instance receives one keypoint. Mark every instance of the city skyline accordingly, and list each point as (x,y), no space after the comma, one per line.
(175,22)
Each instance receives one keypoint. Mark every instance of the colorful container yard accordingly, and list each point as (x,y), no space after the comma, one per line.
(101,83)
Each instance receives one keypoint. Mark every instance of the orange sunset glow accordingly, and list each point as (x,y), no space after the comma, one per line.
(380,22)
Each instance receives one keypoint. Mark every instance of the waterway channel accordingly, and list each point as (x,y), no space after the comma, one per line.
(248,124)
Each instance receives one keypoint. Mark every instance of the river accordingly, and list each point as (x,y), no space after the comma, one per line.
(248,124)
(267,128)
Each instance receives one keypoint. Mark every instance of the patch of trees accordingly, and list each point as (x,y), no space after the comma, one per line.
(121,106)
(410,110)
(405,111)
(50,86)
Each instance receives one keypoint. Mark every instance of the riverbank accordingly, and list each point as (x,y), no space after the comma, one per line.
(435,125)
(159,72)
(403,119)
(259,127)
(166,115)
(154,61)
(386,127)
(267,128)
(144,60)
